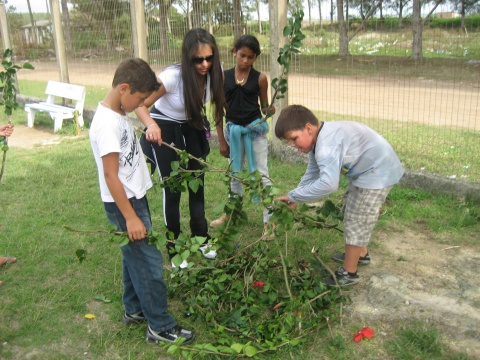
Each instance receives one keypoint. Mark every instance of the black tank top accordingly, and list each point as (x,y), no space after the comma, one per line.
(242,101)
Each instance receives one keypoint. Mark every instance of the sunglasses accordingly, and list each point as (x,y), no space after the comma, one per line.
(200,60)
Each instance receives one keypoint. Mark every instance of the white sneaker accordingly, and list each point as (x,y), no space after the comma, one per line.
(183,265)
(208,252)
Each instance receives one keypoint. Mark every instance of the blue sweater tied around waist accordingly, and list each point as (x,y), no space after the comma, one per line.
(236,134)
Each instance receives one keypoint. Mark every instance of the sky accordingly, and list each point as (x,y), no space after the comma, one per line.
(41,6)
(21,5)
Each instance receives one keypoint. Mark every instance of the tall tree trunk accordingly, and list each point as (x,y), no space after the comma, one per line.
(320,13)
(237,19)
(209,17)
(164,26)
(417,30)
(462,14)
(342,29)
(309,3)
(332,9)
(196,13)
(347,21)
(401,5)
(66,26)
(33,30)
(257,4)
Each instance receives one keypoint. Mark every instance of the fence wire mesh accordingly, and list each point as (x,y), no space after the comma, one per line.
(427,108)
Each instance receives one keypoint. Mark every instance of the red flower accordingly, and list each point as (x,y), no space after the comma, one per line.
(258,284)
(365,332)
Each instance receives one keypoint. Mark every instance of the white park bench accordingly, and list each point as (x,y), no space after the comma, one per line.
(58,112)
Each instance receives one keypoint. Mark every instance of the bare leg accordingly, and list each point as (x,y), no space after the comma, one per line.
(352,254)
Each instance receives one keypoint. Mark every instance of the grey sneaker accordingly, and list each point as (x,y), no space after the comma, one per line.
(133,319)
(364,260)
(343,278)
(171,335)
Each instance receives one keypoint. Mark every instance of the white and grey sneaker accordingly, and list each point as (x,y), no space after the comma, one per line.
(169,336)
(133,319)
(183,265)
(208,252)
(343,278)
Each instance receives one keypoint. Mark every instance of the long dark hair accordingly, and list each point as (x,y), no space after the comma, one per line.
(192,97)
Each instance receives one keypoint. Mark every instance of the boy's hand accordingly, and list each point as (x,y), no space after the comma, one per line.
(136,229)
(285,200)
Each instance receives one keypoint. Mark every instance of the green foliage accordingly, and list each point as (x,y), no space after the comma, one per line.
(294,35)
(7,78)
(245,297)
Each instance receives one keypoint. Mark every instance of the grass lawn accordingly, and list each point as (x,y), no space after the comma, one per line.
(47,293)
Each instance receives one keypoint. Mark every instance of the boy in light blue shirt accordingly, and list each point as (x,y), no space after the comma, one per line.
(363,156)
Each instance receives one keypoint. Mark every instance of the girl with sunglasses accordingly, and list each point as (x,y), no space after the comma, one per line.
(177,118)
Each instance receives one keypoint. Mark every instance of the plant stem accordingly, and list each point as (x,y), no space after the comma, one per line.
(285,275)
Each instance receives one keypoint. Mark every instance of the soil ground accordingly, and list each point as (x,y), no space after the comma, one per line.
(433,282)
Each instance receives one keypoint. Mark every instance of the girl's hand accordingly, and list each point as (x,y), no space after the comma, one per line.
(154,133)
(269,110)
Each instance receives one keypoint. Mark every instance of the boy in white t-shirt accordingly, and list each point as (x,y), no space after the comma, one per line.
(124,180)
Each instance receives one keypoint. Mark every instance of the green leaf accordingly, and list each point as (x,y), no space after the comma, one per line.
(81,255)
(101,297)
(237,347)
(172,349)
(250,351)
(28,66)
(194,184)
(287,30)
(294,342)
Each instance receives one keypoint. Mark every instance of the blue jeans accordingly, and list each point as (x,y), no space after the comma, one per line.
(144,287)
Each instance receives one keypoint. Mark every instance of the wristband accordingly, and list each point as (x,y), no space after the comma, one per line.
(154,124)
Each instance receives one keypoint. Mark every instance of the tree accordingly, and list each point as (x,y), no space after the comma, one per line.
(437,2)
(162,6)
(320,12)
(399,6)
(66,25)
(417,30)
(237,20)
(342,30)
(32,21)
(332,11)
(103,12)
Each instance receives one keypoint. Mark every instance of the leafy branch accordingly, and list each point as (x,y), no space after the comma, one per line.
(294,35)
(8,98)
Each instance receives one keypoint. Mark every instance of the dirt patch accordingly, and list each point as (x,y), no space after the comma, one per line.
(413,277)
(26,137)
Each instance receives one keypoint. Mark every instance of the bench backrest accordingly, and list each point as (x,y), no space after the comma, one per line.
(66,91)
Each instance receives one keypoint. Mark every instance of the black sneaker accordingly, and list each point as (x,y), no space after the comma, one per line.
(343,278)
(364,260)
(133,319)
(171,335)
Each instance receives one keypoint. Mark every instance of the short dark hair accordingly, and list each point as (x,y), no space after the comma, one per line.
(137,74)
(248,41)
(294,117)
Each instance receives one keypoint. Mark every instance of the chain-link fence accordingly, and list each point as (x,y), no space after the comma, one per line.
(427,108)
